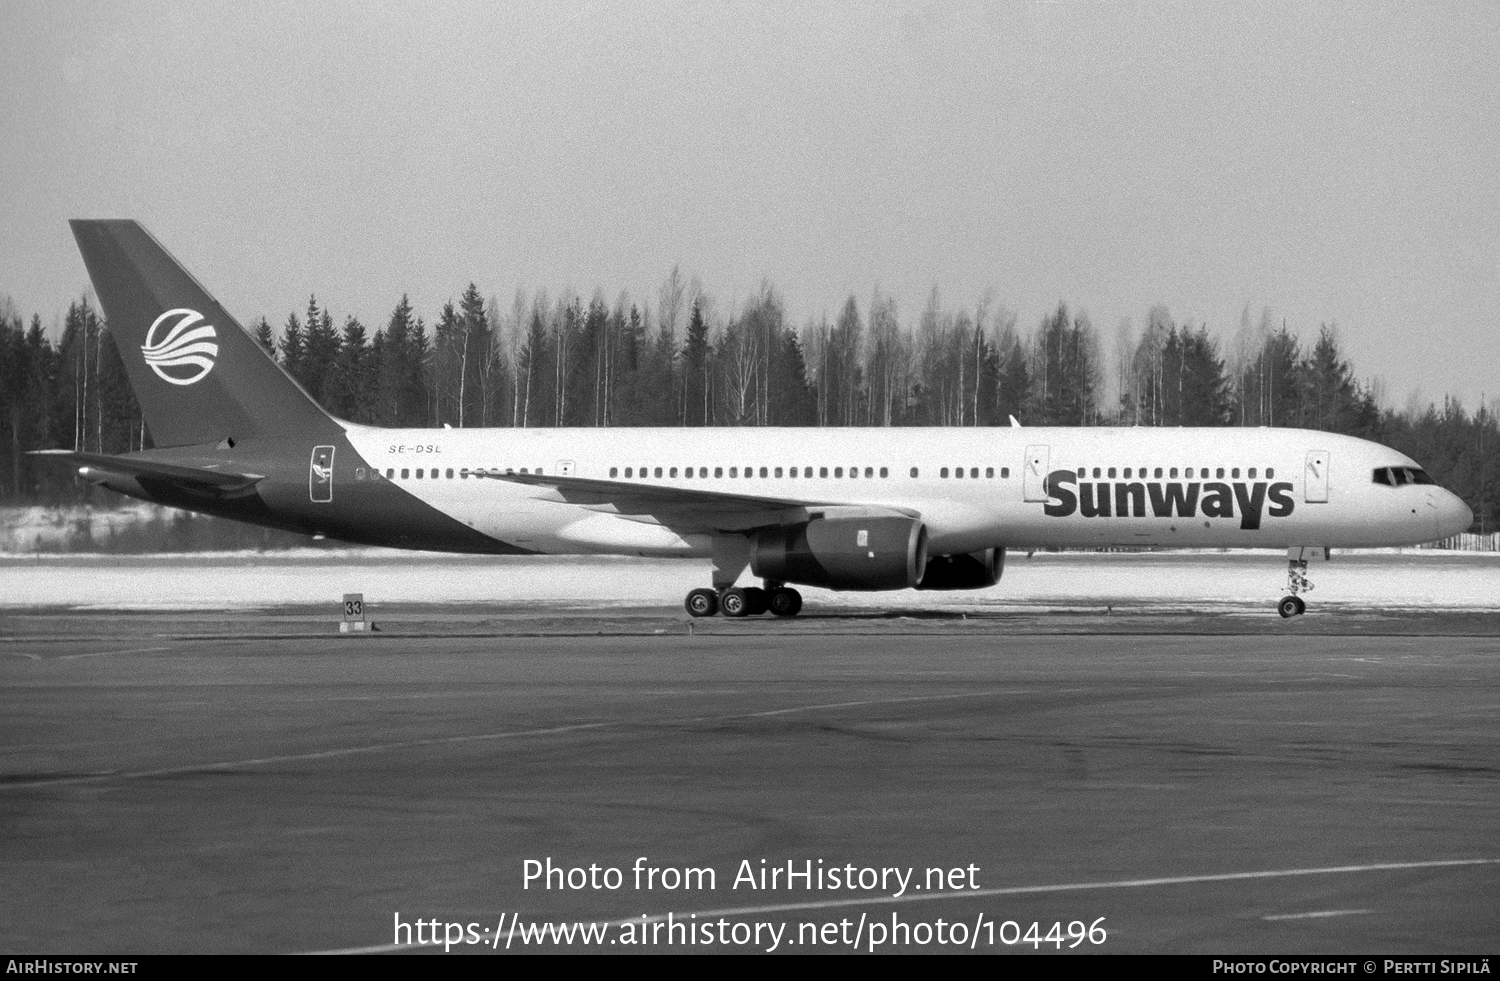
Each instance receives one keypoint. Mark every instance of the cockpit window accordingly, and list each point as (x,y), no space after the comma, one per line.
(1400,476)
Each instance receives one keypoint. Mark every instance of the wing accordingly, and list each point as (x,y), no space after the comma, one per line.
(100,467)
(688,510)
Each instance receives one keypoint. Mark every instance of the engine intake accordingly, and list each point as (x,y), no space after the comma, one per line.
(855,553)
(972,570)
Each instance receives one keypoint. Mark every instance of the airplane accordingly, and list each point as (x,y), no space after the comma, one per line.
(844,509)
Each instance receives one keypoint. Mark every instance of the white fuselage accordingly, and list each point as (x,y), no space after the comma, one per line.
(1234,488)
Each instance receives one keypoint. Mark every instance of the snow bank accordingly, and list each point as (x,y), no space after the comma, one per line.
(1415,579)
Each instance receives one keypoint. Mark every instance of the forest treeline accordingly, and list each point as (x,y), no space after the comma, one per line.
(543,361)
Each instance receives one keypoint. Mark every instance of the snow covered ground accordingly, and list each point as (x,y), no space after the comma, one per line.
(1166,580)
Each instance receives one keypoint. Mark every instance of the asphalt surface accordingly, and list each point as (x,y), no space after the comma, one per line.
(1209,784)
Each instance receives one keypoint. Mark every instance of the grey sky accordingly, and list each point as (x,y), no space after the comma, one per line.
(1335,163)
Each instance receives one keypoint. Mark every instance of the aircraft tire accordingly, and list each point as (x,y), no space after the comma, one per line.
(759,601)
(1290,606)
(1301,606)
(734,602)
(702,603)
(785,602)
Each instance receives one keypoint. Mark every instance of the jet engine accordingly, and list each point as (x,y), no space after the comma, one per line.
(855,553)
(972,570)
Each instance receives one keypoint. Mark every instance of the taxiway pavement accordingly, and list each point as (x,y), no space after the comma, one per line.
(253,782)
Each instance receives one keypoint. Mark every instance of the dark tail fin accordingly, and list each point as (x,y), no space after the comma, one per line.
(199,377)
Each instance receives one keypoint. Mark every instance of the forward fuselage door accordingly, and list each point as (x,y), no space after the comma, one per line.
(1315,478)
(1034,476)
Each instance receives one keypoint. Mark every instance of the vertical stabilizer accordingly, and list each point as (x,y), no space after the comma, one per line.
(199,377)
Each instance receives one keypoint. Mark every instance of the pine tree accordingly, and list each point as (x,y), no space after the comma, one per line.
(319,353)
(696,392)
(293,348)
(264,336)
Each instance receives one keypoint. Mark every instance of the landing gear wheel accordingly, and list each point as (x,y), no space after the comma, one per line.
(758,600)
(734,602)
(785,602)
(1290,606)
(702,603)
(1301,606)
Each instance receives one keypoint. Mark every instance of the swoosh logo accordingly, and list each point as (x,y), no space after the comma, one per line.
(179,348)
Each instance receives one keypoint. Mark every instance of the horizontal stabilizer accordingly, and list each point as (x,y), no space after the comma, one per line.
(99,466)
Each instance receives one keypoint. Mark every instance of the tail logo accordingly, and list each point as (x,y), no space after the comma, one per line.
(183,353)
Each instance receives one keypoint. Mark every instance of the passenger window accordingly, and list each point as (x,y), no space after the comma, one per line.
(1083,471)
(807,472)
(687,473)
(1111,472)
(1219,474)
(1252,473)
(914,471)
(989,472)
(884,472)
(1158,473)
(870,472)
(792,472)
(1174,473)
(405,473)
(943,472)
(658,471)
(838,471)
(703,472)
(718,472)
(853,472)
(1235,473)
(628,471)
(1096,473)
(763,471)
(823,473)
(613,472)
(1005,473)
(1270,473)
(672,472)
(359,473)
(734,471)
(778,471)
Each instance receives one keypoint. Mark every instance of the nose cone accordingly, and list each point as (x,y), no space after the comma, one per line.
(1453,515)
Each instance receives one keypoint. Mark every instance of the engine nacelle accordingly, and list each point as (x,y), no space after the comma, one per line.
(865,553)
(972,570)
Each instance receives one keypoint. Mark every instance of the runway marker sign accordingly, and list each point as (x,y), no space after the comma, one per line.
(354,615)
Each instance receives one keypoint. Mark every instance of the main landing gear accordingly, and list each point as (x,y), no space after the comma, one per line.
(1296,581)
(748,601)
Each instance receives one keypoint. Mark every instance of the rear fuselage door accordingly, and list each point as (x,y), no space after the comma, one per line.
(1034,476)
(320,475)
(1315,478)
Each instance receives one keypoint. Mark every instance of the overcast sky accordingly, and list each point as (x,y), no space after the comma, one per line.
(1335,163)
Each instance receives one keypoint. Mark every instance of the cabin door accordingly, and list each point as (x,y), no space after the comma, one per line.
(1315,479)
(320,475)
(1034,475)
